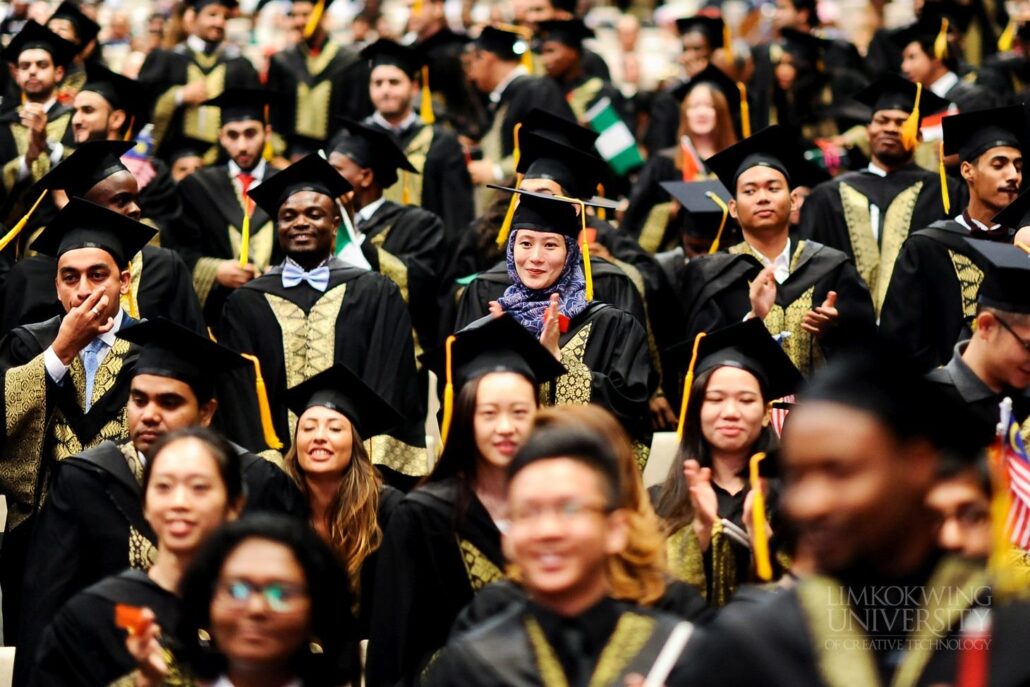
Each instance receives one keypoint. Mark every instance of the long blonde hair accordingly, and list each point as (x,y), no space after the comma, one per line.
(352,519)
(724,135)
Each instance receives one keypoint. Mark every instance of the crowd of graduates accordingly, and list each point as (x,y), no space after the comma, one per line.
(542,344)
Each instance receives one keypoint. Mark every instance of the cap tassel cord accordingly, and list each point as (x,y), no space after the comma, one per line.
(448,394)
(16,229)
(759,531)
(940,43)
(745,111)
(263,406)
(426,109)
(910,129)
(509,215)
(313,21)
(714,248)
(688,381)
(945,196)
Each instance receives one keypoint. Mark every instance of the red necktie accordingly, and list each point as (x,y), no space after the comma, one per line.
(245,181)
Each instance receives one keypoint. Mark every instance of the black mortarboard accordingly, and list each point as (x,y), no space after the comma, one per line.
(85,28)
(749,346)
(545,212)
(715,77)
(558,128)
(189,147)
(576,171)
(387,52)
(1016,214)
(339,389)
(34,35)
(197,5)
(371,147)
(171,350)
(702,216)
(806,46)
(927,27)
(1006,285)
(91,163)
(970,134)
(570,32)
(770,147)
(242,104)
(497,345)
(713,27)
(508,45)
(120,91)
(310,173)
(82,224)
(894,92)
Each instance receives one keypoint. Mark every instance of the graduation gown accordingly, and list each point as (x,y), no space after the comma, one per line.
(82,647)
(360,321)
(462,107)
(409,244)
(14,142)
(316,86)
(164,71)
(932,297)
(429,568)
(93,523)
(837,214)
(209,232)
(389,499)
(526,645)
(161,287)
(715,295)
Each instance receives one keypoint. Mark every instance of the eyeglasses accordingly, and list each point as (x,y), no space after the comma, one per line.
(563,511)
(279,596)
(1008,327)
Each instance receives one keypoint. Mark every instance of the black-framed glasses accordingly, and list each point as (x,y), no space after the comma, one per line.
(1008,327)
(279,596)
(564,511)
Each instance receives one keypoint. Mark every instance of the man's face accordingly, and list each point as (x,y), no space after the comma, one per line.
(1006,358)
(118,192)
(36,74)
(82,271)
(963,511)
(244,141)
(356,175)
(209,22)
(850,486)
(885,136)
(430,15)
(916,65)
(184,165)
(307,223)
(158,405)
(561,531)
(696,52)
(479,69)
(558,59)
(763,201)
(391,90)
(995,176)
(93,117)
(298,14)
(786,16)
(536,11)
(65,29)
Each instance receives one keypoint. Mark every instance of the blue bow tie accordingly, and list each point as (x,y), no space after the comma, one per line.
(317,278)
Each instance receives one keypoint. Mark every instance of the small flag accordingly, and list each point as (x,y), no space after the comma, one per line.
(1016,459)
(615,143)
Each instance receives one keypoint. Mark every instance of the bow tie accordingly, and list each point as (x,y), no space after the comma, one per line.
(317,278)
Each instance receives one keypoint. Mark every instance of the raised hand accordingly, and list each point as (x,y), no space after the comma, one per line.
(144,647)
(81,325)
(703,499)
(818,320)
(232,276)
(762,293)
(551,333)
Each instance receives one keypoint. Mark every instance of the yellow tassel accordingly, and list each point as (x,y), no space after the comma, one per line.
(416,7)
(263,406)
(13,233)
(940,43)
(602,213)
(426,111)
(745,111)
(1007,37)
(759,533)
(448,393)
(502,235)
(722,224)
(910,129)
(727,41)
(314,19)
(405,190)
(688,382)
(588,275)
(128,132)
(1023,246)
(267,153)
(945,198)
(129,301)
(245,239)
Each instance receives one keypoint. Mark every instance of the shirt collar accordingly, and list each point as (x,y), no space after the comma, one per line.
(258,172)
(975,224)
(109,337)
(366,213)
(197,44)
(596,623)
(781,259)
(395,128)
(874,168)
(969,386)
(324,263)
(495,95)
(941,86)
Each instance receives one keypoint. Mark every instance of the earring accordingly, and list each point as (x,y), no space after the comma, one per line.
(203,638)
(315,647)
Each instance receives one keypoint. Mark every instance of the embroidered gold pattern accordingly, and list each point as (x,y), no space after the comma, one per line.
(970,277)
(416,151)
(630,636)
(551,672)
(312,115)
(896,225)
(142,552)
(25,423)
(391,266)
(653,231)
(202,122)
(397,455)
(480,569)
(130,301)
(204,274)
(685,559)
(132,459)
(574,387)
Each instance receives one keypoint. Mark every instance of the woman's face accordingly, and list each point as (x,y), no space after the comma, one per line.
(505,406)
(699,108)
(539,258)
(186,497)
(732,413)
(260,611)
(324,442)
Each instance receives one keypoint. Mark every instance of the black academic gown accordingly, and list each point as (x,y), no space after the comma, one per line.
(159,198)
(14,141)
(429,568)
(161,284)
(932,297)
(389,499)
(463,108)
(316,87)
(409,245)
(646,195)
(209,232)
(164,71)
(527,645)
(715,295)
(360,321)
(83,647)
(93,522)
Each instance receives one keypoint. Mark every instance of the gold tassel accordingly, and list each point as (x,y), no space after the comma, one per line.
(502,235)
(940,43)
(1023,246)
(416,7)
(602,213)
(588,275)
(722,224)
(263,406)
(910,129)
(426,110)
(745,110)
(245,237)
(759,533)
(405,190)
(945,198)
(448,393)
(314,19)
(688,382)
(130,300)
(727,41)
(1007,37)
(267,153)
(127,136)
(13,233)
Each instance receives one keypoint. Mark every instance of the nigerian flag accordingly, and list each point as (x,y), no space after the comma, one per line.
(615,143)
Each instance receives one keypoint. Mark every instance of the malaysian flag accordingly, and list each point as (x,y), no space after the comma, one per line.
(1013,454)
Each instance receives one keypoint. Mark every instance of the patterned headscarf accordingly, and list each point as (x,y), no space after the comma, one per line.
(527,305)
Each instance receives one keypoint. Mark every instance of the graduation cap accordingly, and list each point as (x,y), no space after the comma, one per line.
(85,28)
(1016,214)
(91,163)
(82,224)
(714,28)
(749,346)
(931,29)
(35,35)
(242,104)
(579,173)
(310,173)
(895,92)
(338,388)
(570,32)
(188,147)
(560,129)
(508,45)
(197,5)
(371,147)
(970,134)
(390,53)
(771,147)
(715,77)
(706,208)
(1006,286)
(805,46)
(121,92)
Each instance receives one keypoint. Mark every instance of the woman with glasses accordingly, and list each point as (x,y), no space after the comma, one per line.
(191,485)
